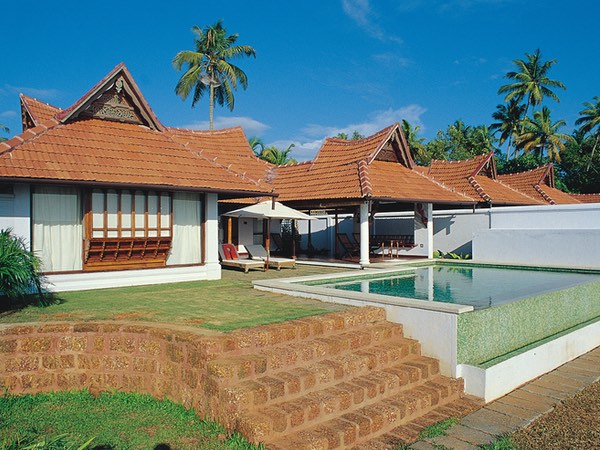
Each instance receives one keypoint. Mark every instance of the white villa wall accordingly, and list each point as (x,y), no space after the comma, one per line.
(15,211)
(565,235)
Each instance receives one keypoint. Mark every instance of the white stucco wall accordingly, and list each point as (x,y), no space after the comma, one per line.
(15,211)
(565,235)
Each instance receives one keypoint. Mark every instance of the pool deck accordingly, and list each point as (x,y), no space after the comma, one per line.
(519,408)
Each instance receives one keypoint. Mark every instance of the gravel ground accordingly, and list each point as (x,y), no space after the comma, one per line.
(573,424)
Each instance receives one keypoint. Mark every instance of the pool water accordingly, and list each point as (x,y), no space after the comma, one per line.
(480,287)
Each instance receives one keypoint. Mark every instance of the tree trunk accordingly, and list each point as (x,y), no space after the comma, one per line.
(593,150)
(211,105)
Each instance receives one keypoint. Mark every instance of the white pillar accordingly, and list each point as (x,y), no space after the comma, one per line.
(211,228)
(424,229)
(364,234)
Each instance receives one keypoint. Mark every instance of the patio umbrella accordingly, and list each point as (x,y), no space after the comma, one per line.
(269,210)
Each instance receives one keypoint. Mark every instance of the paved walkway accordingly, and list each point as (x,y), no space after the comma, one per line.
(519,408)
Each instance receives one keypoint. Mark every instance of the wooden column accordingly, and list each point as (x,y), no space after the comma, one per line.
(229,229)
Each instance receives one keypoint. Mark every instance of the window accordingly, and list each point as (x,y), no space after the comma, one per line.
(126,214)
(127,229)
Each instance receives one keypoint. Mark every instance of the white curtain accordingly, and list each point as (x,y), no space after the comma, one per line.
(187,232)
(57,228)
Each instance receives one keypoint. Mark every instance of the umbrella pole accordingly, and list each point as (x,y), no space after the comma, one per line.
(268,242)
(293,239)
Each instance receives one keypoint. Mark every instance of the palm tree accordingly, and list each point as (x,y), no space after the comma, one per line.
(415,143)
(208,67)
(509,118)
(4,129)
(590,119)
(541,135)
(257,145)
(278,157)
(531,81)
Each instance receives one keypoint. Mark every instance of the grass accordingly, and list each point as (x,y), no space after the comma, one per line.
(114,421)
(503,443)
(222,305)
(438,429)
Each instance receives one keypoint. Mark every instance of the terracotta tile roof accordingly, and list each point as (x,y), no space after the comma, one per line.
(119,148)
(378,167)
(586,198)
(475,178)
(105,152)
(228,147)
(394,181)
(539,184)
(37,110)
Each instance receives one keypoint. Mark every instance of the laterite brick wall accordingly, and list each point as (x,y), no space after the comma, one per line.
(107,356)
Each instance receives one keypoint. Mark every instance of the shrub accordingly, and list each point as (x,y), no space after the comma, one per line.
(20,273)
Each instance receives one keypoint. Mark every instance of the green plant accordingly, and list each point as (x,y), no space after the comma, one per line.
(60,442)
(451,255)
(503,443)
(19,269)
(438,429)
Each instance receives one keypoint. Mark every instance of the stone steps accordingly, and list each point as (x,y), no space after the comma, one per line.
(335,381)
(278,418)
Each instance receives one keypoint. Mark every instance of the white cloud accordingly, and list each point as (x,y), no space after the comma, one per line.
(376,122)
(252,127)
(38,93)
(360,11)
(8,114)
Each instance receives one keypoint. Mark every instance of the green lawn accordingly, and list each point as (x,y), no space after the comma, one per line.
(115,421)
(221,305)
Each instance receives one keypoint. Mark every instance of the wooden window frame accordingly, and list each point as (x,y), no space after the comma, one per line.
(133,252)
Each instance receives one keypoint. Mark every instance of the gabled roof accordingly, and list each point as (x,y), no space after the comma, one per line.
(115,97)
(35,112)
(377,167)
(477,178)
(586,198)
(539,184)
(82,147)
(228,147)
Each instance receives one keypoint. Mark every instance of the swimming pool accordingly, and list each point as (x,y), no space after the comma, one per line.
(477,286)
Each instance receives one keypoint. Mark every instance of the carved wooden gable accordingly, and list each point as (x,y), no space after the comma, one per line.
(393,151)
(26,119)
(117,98)
(114,104)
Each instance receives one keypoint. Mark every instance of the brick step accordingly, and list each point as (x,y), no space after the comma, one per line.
(408,433)
(252,339)
(363,424)
(229,370)
(300,381)
(291,414)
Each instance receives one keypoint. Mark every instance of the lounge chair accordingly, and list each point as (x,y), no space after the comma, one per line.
(258,252)
(277,241)
(350,248)
(230,258)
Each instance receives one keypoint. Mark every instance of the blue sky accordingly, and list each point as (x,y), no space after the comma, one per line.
(322,66)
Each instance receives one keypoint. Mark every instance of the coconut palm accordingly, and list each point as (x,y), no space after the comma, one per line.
(257,145)
(531,81)
(276,156)
(4,129)
(415,143)
(541,135)
(208,67)
(590,121)
(509,118)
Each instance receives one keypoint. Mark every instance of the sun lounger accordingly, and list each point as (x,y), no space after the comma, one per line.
(258,252)
(350,248)
(230,258)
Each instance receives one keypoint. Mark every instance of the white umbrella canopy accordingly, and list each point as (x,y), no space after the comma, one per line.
(265,210)
(269,210)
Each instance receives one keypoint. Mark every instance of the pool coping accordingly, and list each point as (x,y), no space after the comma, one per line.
(293,286)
